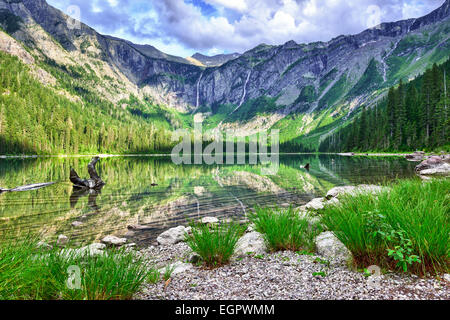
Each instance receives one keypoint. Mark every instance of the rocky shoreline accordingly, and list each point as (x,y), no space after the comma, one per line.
(283,276)
(256,274)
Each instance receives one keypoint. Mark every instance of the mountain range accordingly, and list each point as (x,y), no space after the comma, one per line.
(305,90)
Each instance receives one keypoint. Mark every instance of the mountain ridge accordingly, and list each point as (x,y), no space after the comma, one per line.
(297,88)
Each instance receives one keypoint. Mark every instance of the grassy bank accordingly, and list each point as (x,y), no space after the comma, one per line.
(284,229)
(405,228)
(31,273)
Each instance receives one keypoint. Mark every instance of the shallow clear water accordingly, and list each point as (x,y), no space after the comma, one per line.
(183,192)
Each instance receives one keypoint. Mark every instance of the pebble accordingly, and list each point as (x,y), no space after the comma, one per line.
(271,278)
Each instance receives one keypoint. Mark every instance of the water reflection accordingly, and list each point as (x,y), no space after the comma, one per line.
(154,193)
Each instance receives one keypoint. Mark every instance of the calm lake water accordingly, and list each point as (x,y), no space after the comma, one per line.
(183,192)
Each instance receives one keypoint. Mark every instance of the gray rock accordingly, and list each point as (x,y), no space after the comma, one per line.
(441,170)
(416,156)
(77,224)
(447,277)
(315,204)
(353,190)
(178,268)
(173,235)
(209,220)
(338,191)
(252,242)
(62,240)
(434,165)
(331,248)
(114,241)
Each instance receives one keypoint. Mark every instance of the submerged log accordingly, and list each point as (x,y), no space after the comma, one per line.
(28,187)
(95,182)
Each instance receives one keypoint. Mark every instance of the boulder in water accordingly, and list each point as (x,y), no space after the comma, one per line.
(434,165)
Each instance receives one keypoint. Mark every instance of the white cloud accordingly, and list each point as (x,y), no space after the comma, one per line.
(179,27)
(238,5)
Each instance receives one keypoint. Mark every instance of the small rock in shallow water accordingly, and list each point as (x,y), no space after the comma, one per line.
(209,220)
(352,190)
(62,240)
(172,236)
(315,204)
(114,241)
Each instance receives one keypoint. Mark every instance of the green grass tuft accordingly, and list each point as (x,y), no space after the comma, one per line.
(284,229)
(30,273)
(215,244)
(405,228)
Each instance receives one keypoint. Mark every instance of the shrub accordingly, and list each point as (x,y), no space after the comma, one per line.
(29,273)
(405,228)
(215,244)
(284,229)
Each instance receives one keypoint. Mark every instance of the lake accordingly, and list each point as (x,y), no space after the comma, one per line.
(183,192)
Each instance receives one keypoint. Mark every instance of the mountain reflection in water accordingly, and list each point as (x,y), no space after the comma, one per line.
(182,193)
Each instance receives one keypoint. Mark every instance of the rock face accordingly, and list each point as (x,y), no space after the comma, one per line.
(172,236)
(252,242)
(434,165)
(331,248)
(296,77)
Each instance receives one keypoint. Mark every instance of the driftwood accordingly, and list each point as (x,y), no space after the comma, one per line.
(28,187)
(95,182)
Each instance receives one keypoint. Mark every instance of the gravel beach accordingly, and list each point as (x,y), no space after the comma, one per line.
(282,276)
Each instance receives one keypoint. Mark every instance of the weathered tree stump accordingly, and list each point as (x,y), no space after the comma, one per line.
(95,182)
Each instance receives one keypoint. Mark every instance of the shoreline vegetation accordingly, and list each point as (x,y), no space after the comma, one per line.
(372,154)
(401,228)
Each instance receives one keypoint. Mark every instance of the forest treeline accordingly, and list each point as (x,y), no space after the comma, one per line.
(413,116)
(36,119)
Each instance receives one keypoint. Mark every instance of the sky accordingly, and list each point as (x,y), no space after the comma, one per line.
(184,27)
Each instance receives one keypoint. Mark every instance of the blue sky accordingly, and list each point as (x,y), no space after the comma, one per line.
(183,27)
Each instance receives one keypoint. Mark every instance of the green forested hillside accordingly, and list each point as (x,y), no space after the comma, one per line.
(36,119)
(414,116)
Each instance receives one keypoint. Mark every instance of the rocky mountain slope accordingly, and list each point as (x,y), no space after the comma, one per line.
(297,88)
